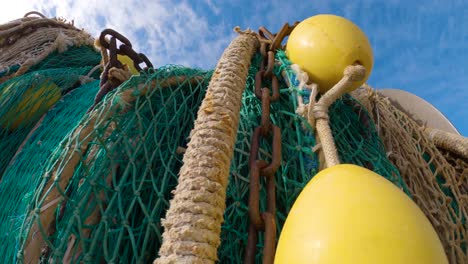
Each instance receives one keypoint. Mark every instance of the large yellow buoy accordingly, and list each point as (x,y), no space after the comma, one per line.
(324,45)
(348,214)
(33,103)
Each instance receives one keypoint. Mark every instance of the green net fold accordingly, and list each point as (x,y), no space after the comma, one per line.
(127,153)
(111,204)
(26,98)
(20,179)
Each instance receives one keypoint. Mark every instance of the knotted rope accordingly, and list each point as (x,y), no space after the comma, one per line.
(317,112)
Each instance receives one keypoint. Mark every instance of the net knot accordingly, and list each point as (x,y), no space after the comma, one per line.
(320,111)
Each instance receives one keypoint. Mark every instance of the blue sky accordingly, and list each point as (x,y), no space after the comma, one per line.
(419,46)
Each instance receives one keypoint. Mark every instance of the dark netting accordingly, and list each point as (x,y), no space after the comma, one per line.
(73,57)
(357,140)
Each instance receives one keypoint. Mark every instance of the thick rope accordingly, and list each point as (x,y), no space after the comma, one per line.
(352,73)
(35,241)
(29,49)
(448,141)
(193,221)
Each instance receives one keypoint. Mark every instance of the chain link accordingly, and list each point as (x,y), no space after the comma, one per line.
(137,58)
(114,34)
(265,221)
(126,49)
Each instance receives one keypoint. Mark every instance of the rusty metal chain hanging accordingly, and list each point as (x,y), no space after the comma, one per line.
(106,84)
(265,221)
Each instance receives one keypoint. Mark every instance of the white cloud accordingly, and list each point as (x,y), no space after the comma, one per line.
(12,10)
(415,46)
(212,6)
(168,32)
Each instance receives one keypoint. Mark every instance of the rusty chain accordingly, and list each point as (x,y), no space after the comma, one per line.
(265,221)
(126,49)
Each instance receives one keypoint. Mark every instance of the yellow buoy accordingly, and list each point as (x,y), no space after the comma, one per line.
(33,103)
(324,45)
(126,60)
(348,214)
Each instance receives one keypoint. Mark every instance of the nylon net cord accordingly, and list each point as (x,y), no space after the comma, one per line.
(438,183)
(30,159)
(52,61)
(78,145)
(35,244)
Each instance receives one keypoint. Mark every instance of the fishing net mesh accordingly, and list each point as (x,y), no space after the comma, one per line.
(93,186)
(105,191)
(56,74)
(24,99)
(41,59)
(81,56)
(23,174)
(437,179)
(102,192)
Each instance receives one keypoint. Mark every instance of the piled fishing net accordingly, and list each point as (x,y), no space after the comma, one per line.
(437,178)
(44,64)
(41,59)
(104,191)
(23,174)
(24,99)
(102,194)
(96,185)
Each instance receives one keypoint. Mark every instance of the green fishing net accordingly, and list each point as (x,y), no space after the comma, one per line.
(24,172)
(81,56)
(354,134)
(102,192)
(130,150)
(26,98)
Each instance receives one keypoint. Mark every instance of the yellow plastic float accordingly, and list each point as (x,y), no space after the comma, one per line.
(348,214)
(33,104)
(324,45)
